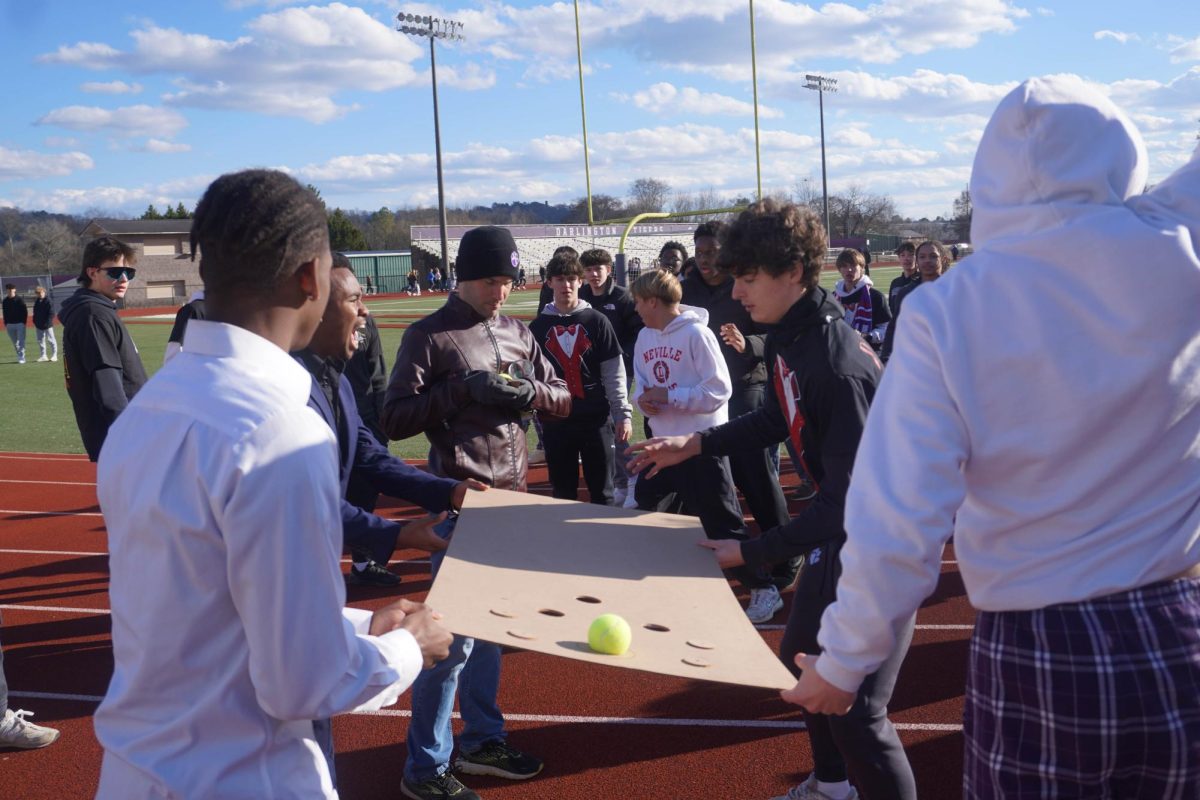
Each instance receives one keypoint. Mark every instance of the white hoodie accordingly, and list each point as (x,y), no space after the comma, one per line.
(1038,406)
(684,357)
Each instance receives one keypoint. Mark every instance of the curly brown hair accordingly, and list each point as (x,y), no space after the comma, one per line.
(774,238)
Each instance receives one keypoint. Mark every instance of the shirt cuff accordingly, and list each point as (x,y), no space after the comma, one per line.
(359,618)
(844,679)
(402,653)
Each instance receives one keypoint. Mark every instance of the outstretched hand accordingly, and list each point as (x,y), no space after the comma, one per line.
(815,694)
(662,451)
(420,535)
(727,551)
(459,493)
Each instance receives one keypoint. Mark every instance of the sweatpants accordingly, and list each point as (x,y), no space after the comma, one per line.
(570,443)
(863,744)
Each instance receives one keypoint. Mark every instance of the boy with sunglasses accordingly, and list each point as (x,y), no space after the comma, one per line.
(100,360)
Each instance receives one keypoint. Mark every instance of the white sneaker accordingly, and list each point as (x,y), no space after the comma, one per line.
(763,604)
(619,497)
(16,731)
(809,791)
(54,358)
(43,358)
(631,495)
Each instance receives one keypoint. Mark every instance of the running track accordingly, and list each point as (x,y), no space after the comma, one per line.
(603,732)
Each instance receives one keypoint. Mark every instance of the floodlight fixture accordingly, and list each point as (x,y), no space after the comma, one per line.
(821,84)
(432,28)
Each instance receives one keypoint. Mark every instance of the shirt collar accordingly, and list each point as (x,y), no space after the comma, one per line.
(221,340)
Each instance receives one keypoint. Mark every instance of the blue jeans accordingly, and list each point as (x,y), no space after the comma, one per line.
(473,672)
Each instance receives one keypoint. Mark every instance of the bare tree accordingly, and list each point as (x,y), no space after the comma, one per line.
(700,201)
(648,194)
(53,245)
(856,211)
(10,226)
(962,216)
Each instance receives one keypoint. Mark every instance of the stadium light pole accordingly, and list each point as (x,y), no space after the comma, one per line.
(433,29)
(821,85)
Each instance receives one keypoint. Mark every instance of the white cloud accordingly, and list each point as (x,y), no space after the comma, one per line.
(1188,51)
(294,62)
(111,87)
(1041,11)
(1117,36)
(66,142)
(29,164)
(665,99)
(162,146)
(139,120)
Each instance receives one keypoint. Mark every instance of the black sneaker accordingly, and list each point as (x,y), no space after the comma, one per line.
(373,574)
(443,787)
(498,759)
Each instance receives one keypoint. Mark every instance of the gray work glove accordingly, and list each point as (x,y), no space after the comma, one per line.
(489,389)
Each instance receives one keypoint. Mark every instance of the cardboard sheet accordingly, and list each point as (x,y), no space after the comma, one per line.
(533,572)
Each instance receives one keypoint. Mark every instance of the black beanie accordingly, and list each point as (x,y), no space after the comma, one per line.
(487,252)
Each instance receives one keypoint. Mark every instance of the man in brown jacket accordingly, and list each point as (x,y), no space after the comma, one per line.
(446,383)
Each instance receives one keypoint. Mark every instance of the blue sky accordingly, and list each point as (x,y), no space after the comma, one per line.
(113,106)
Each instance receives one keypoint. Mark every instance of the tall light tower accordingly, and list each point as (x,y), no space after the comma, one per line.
(822,85)
(433,29)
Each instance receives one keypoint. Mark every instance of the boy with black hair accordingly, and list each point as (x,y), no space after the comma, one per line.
(220,493)
(672,256)
(601,291)
(907,253)
(43,323)
(16,317)
(866,309)
(583,347)
(823,377)
(100,360)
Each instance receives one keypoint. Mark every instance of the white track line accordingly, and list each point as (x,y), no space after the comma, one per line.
(30,513)
(74,610)
(66,458)
(14,551)
(796,725)
(51,483)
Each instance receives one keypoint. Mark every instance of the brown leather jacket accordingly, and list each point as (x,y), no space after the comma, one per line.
(426,394)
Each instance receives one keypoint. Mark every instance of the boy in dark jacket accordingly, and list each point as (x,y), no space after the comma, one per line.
(583,347)
(43,323)
(16,316)
(823,378)
(101,361)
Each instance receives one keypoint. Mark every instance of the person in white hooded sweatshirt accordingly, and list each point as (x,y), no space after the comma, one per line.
(1050,422)
(685,387)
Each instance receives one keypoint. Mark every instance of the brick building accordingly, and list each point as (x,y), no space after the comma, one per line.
(167,275)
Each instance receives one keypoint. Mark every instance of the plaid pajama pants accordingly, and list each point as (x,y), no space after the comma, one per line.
(1099,699)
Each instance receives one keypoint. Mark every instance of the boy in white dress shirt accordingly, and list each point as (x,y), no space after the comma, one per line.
(219,488)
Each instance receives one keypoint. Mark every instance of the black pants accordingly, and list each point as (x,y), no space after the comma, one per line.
(569,443)
(700,487)
(863,740)
(757,478)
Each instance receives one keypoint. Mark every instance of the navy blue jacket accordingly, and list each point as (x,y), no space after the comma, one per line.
(360,452)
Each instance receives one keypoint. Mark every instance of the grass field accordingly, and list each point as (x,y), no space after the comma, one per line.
(38,415)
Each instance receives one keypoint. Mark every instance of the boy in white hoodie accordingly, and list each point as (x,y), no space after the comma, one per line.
(684,387)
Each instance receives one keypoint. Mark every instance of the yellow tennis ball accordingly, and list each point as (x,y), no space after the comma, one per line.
(610,634)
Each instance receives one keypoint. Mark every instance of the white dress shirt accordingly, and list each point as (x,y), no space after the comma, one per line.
(219,488)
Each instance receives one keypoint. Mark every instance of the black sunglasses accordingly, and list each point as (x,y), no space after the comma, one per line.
(116,273)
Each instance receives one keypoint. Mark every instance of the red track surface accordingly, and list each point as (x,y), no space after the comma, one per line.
(603,732)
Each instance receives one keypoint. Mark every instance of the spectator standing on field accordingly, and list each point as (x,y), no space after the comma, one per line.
(15,729)
(907,253)
(866,309)
(601,291)
(742,342)
(43,323)
(101,361)
(1050,425)
(16,316)
(583,347)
